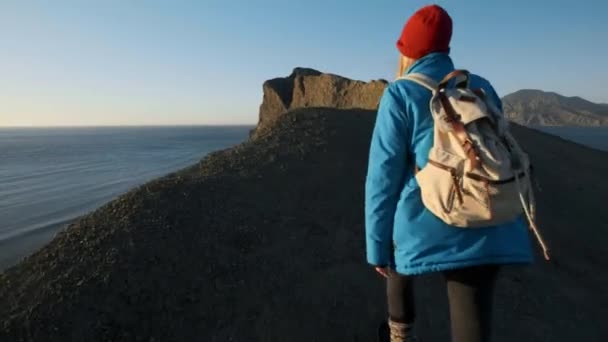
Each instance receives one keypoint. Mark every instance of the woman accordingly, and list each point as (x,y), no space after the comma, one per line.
(403,238)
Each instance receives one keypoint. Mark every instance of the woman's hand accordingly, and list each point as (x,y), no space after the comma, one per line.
(383,271)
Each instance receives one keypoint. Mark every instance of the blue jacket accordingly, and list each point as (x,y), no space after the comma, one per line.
(400,231)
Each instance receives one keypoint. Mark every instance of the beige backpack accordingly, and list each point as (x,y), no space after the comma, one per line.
(477,175)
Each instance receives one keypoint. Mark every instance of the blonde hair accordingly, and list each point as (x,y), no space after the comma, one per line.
(404,64)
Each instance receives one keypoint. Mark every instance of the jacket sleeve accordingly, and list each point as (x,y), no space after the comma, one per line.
(385,174)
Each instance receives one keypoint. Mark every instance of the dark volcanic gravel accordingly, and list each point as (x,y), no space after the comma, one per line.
(264,242)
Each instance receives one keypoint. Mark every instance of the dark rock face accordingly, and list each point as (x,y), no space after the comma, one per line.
(306,88)
(536,107)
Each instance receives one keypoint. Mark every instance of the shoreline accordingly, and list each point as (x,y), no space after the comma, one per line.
(16,248)
(40,199)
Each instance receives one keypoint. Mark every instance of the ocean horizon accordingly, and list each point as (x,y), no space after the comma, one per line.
(50,176)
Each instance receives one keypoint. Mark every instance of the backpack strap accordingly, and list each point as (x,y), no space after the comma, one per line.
(462,79)
(460,131)
(427,83)
(453,118)
(422,80)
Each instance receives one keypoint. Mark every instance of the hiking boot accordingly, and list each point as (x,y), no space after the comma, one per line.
(401,332)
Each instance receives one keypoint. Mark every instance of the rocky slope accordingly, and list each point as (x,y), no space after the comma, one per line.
(536,107)
(308,88)
(264,242)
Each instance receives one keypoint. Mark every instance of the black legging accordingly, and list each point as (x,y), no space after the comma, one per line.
(470,294)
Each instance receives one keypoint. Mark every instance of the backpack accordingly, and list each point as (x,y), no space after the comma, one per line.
(477,175)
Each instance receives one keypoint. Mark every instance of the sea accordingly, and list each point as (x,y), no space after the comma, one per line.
(51,176)
(594,137)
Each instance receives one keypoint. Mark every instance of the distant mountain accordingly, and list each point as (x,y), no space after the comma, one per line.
(536,107)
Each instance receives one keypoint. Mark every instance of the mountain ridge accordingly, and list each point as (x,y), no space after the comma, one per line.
(535,107)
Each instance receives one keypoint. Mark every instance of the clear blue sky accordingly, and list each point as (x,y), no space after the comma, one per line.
(135,62)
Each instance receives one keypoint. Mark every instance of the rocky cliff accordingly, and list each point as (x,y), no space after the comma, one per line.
(308,88)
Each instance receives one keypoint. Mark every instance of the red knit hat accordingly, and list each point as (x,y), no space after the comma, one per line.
(428,30)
